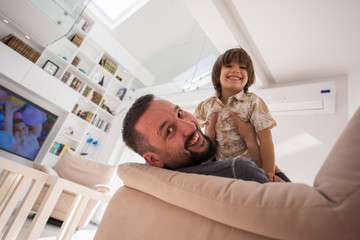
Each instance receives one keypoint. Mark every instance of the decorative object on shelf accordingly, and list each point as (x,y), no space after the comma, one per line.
(21,47)
(70,131)
(121,93)
(76,39)
(50,67)
(76,61)
(86,27)
(119,77)
(101,83)
(82,70)
(104,106)
(97,76)
(89,142)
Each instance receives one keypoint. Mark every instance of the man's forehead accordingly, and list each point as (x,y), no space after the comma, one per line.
(155,114)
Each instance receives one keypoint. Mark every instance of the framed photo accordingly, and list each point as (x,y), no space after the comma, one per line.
(50,67)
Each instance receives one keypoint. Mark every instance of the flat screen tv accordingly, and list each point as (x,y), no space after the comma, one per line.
(24,126)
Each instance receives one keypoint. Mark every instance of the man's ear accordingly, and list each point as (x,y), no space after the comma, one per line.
(153,159)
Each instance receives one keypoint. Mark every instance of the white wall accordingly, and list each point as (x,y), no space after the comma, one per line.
(302,142)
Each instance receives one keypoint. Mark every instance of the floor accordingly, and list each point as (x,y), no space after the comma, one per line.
(50,232)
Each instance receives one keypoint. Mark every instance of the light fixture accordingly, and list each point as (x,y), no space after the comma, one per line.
(5,20)
(27,36)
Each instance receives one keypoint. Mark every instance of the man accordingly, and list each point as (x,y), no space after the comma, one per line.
(168,137)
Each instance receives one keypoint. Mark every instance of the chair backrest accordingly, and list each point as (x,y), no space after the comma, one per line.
(79,169)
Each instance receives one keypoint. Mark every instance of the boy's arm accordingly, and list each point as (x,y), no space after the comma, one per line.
(210,126)
(267,152)
(247,132)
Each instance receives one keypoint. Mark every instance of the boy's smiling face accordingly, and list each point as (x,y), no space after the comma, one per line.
(233,77)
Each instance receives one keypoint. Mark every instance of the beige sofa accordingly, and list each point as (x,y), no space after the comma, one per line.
(160,204)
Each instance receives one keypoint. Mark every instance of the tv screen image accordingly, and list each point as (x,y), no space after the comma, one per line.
(24,126)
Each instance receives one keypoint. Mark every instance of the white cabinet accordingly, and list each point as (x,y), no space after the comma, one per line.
(10,62)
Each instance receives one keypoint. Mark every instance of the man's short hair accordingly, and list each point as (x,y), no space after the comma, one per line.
(132,138)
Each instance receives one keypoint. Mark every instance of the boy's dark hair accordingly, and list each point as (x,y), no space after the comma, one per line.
(132,138)
(234,54)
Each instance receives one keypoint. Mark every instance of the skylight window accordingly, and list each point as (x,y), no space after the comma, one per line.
(115,8)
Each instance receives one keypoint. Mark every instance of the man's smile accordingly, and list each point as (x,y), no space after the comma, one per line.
(193,140)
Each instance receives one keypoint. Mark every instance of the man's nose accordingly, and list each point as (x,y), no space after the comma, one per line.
(187,127)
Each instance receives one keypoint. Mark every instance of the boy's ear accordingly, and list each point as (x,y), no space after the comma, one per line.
(153,159)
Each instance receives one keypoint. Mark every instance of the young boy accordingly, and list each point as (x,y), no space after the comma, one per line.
(232,75)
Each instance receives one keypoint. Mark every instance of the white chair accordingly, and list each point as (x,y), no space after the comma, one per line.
(81,170)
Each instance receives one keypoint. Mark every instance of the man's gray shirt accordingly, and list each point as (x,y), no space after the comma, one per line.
(238,168)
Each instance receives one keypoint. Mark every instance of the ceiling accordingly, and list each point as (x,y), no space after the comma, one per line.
(289,40)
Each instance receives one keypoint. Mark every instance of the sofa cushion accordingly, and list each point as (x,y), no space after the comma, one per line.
(79,169)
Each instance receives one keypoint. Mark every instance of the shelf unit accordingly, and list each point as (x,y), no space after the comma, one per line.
(100,89)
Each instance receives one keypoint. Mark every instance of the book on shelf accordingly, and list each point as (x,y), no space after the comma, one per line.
(76,61)
(100,123)
(58,149)
(21,47)
(74,108)
(77,84)
(76,39)
(65,77)
(96,97)
(108,65)
(87,91)
(88,116)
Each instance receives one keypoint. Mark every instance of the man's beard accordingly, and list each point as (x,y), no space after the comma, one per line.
(197,158)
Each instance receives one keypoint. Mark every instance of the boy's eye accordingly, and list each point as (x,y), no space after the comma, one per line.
(243,67)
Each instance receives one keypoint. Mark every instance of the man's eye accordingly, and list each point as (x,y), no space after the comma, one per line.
(180,113)
(169,131)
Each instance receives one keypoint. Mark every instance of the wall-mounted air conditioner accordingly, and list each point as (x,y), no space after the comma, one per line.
(313,98)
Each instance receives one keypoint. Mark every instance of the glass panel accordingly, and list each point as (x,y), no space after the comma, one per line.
(64,13)
(191,70)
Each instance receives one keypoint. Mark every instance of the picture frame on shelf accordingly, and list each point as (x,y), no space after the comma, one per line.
(50,67)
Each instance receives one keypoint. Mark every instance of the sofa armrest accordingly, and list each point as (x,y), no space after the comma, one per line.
(45,169)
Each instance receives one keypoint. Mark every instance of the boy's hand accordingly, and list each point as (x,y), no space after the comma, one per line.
(246,129)
(210,126)
(273,178)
